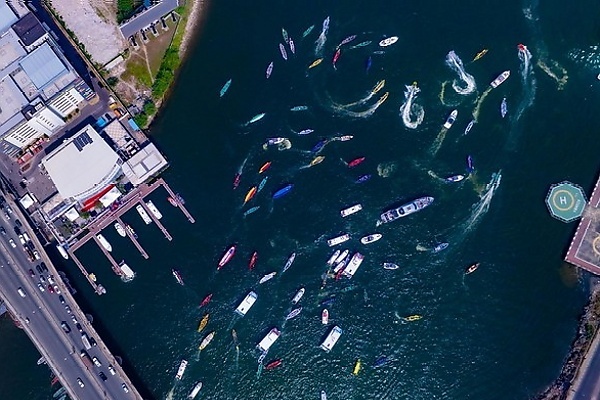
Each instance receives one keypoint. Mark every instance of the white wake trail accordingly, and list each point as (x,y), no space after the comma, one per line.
(412,113)
(468,82)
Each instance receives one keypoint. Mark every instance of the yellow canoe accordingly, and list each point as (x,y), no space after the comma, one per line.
(356,367)
(203,322)
(383,98)
(315,63)
(411,318)
(378,87)
(317,160)
(480,54)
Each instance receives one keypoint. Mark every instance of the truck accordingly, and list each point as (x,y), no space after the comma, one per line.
(86,342)
(86,359)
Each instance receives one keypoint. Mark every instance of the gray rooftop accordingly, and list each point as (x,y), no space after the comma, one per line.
(42,66)
(10,51)
(29,29)
(148,16)
(7,17)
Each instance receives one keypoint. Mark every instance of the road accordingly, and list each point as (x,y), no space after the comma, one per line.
(41,314)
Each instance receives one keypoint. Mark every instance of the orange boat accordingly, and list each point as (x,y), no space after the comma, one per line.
(250,194)
(264,167)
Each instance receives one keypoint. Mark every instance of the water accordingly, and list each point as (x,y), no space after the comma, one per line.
(501,332)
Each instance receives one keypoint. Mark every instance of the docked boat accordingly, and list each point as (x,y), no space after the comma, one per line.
(265,344)
(120,230)
(283,191)
(333,257)
(264,167)
(145,217)
(503,107)
(454,178)
(338,239)
(315,63)
(195,390)
(471,268)
(177,276)
(317,160)
(500,79)
(41,360)
(127,273)
(246,304)
(289,262)
(226,257)
(269,70)
(181,369)
(295,312)
(390,266)
(351,210)
(371,238)
(353,265)
(252,261)
(298,296)
(480,54)
(206,300)
(450,120)
(267,277)
(102,240)
(357,366)
(153,209)
(389,41)
(440,247)
(273,364)
(469,126)
(62,251)
(325,316)
(203,322)
(342,256)
(355,162)
(250,194)
(129,229)
(406,209)
(172,201)
(283,52)
(332,337)
(339,267)
(206,341)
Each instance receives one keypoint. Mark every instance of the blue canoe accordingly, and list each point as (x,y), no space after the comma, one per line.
(283,191)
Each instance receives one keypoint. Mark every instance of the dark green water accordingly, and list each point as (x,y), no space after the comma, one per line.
(499,333)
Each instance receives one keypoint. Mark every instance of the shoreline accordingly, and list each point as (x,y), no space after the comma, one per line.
(193,26)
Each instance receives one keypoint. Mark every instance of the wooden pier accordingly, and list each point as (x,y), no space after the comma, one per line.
(133,239)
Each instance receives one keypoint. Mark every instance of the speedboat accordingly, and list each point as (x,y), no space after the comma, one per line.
(347,40)
(319,146)
(378,86)
(357,367)
(283,191)
(501,78)
(273,364)
(315,63)
(454,178)
(264,167)
(350,210)
(269,70)
(412,318)
(206,300)
(371,238)
(325,316)
(338,239)
(181,369)
(256,118)
(480,54)
(451,118)
(289,262)
(342,256)
(177,276)
(294,313)
(250,194)
(265,344)
(503,107)
(345,138)
(299,108)
(333,257)
(298,296)
(225,88)
(285,35)
(102,240)
(317,160)
(120,229)
(340,266)
(226,257)
(205,342)
(469,126)
(353,265)
(246,304)
(471,268)
(236,180)
(283,52)
(323,395)
(292,46)
(267,277)
(521,47)
(172,201)
(306,131)
(363,178)
(406,209)
(274,141)
(332,337)
(390,266)
(389,41)
(440,246)
(195,390)
(203,322)
(355,162)
(252,261)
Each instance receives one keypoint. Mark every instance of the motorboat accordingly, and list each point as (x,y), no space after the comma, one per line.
(412,318)
(256,118)
(246,304)
(325,316)
(522,47)
(331,339)
(292,46)
(357,366)
(315,63)
(471,268)
(153,209)
(283,191)
(306,132)
(181,369)
(264,167)
(389,41)
(503,107)
(283,52)
(127,273)
(339,267)
(500,79)
(225,88)
(469,126)
(195,390)
(250,194)
(252,261)
(450,120)
(274,141)
(455,178)
(289,262)
(323,395)
(333,257)
(267,277)
(440,247)
(327,302)
(226,257)
(480,54)
(206,300)
(140,210)
(203,322)
(294,313)
(120,230)
(406,209)
(105,244)
(273,364)
(336,57)
(262,183)
(371,238)
(319,146)
(390,266)
(177,276)
(265,344)
(356,162)
(317,160)
(342,256)
(285,35)
(206,341)
(351,210)
(269,70)
(346,40)
(378,86)
(338,239)
(298,296)
(353,265)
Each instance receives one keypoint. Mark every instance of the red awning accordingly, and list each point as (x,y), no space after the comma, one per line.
(89,203)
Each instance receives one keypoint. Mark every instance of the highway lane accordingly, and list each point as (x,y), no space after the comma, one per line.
(45,313)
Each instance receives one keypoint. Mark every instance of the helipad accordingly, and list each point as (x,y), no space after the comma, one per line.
(566,201)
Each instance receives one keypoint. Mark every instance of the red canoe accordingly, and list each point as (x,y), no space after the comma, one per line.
(355,162)
(236,180)
(206,300)
(264,167)
(336,57)
(273,364)
(252,262)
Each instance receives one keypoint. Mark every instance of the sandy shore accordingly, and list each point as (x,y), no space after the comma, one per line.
(195,17)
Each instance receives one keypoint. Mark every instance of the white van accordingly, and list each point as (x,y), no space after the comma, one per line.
(21,292)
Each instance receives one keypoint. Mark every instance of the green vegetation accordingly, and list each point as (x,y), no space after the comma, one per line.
(125,9)
(112,81)
(142,118)
(166,72)
(137,68)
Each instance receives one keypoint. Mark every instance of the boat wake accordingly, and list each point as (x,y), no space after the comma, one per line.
(384,170)
(343,109)
(483,205)
(528,95)
(480,102)
(468,82)
(422,248)
(170,394)
(412,113)
(437,143)
(378,86)
(320,42)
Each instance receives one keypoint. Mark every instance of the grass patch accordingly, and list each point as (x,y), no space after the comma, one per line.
(137,69)
(126,8)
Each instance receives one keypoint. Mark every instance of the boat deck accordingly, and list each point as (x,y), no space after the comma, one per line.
(584,250)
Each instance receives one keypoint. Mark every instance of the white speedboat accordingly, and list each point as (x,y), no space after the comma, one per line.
(323,395)
(267,277)
(469,126)
(102,240)
(450,120)
(120,229)
(143,214)
(298,296)
(390,266)
(153,209)
(342,256)
(501,78)
(246,304)
(389,41)
(371,238)
(353,265)
(265,344)
(289,262)
(195,390)
(333,257)
(331,338)
(406,209)
(325,316)
(181,369)
(351,210)
(338,239)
